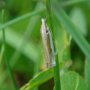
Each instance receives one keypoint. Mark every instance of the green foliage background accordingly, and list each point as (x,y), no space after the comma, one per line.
(24,49)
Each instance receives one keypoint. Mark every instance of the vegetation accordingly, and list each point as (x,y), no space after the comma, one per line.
(22,58)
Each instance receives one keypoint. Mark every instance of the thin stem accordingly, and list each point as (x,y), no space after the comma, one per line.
(33,13)
(56,68)
(1,54)
(68,3)
(5,57)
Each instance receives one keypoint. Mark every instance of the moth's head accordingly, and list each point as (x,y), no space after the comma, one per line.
(44,26)
(43,21)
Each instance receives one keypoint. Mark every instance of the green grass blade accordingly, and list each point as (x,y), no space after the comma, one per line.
(1,54)
(5,57)
(71,2)
(72,30)
(56,68)
(87,73)
(33,13)
(38,79)
(16,42)
(30,50)
(41,78)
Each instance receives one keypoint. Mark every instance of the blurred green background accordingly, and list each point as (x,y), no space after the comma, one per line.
(24,49)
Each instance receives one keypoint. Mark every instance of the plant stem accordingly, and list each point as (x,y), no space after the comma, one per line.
(56,68)
(33,13)
(5,57)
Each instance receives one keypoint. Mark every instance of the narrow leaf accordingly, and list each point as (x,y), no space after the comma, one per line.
(72,30)
(38,79)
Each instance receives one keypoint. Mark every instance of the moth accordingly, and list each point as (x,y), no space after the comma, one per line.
(48,45)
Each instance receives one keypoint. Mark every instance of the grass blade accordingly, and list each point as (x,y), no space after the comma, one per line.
(38,79)
(39,10)
(71,2)
(56,68)
(5,57)
(72,30)
(87,73)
